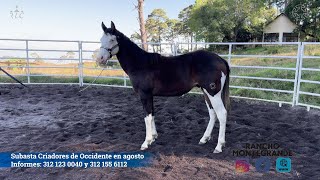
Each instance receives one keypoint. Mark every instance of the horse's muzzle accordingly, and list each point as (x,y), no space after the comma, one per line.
(102,62)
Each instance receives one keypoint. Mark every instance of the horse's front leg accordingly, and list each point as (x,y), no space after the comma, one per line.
(151,132)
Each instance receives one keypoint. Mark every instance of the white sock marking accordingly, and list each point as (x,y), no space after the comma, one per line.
(148,140)
(213,117)
(221,112)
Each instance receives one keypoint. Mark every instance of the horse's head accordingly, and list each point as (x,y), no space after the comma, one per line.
(109,44)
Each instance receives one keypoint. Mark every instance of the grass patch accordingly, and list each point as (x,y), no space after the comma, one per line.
(306,99)
(5,79)
(107,81)
(262,94)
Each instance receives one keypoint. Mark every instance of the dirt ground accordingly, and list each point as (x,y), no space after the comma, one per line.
(57,118)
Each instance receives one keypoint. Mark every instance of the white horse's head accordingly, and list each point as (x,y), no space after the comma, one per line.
(109,44)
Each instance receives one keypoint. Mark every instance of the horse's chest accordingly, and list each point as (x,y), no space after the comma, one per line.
(142,80)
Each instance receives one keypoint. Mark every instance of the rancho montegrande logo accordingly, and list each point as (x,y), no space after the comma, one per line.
(262,149)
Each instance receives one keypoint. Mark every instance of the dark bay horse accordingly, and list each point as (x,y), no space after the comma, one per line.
(154,75)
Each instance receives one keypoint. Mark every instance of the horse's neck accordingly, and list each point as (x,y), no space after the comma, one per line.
(130,56)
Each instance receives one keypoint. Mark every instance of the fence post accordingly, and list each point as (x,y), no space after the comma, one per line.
(296,76)
(28,63)
(229,55)
(300,59)
(124,79)
(80,65)
(175,45)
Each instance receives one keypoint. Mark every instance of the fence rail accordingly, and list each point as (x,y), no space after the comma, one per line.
(81,53)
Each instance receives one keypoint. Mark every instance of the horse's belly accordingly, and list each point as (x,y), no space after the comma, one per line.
(171,89)
(173,81)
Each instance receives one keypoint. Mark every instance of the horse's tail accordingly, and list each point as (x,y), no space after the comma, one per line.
(225,90)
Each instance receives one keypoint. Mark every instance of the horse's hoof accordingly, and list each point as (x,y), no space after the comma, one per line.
(145,144)
(204,140)
(216,151)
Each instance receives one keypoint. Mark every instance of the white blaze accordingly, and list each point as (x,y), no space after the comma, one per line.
(108,41)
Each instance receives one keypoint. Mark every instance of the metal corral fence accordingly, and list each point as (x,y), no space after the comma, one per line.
(72,62)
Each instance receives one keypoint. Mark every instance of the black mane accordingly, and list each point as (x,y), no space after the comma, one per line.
(134,48)
(141,57)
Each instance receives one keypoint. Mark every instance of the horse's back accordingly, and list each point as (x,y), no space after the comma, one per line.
(199,56)
(179,74)
(205,61)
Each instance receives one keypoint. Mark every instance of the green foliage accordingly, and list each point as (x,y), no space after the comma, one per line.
(135,36)
(159,27)
(230,20)
(265,50)
(184,17)
(156,24)
(109,81)
(172,31)
(273,50)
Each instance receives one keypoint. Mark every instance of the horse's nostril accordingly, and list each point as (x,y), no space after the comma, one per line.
(101,57)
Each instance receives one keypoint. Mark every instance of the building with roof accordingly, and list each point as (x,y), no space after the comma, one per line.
(281,29)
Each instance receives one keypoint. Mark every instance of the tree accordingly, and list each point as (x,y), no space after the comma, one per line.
(172,30)
(156,25)
(159,27)
(256,22)
(184,26)
(69,55)
(281,4)
(143,34)
(36,57)
(135,36)
(229,20)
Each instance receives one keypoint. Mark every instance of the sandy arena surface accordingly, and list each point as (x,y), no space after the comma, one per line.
(58,118)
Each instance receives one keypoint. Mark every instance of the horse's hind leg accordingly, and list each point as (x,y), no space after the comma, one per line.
(219,108)
(213,117)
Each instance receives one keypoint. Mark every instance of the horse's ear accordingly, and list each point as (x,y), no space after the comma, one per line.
(113,27)
(104,28)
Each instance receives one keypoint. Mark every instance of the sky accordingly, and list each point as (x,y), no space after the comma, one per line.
(76,19)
